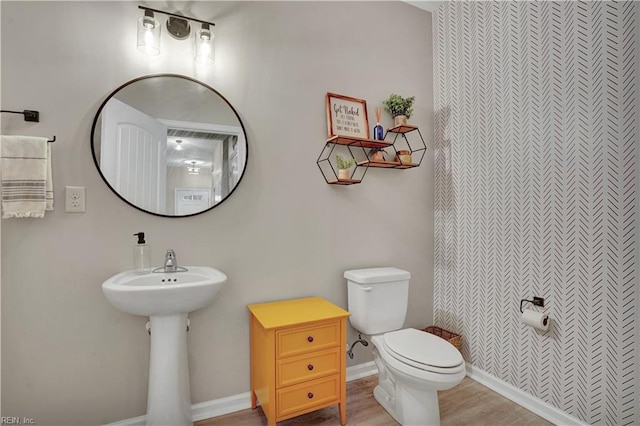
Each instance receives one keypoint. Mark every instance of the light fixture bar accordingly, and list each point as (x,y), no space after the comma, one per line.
(176,15)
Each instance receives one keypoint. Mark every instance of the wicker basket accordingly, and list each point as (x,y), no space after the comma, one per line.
(453,338)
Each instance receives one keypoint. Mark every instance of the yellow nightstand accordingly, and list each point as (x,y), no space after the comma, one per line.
(298,360)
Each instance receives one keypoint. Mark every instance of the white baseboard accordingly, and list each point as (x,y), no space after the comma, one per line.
(361,370)
(221,406)
(135,421)
(522,398)
(242,401)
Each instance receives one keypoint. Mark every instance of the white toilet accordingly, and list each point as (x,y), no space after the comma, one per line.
(412,364)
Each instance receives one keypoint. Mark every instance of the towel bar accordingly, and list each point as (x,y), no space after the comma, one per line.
(29,115)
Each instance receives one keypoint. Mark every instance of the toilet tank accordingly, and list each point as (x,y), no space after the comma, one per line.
(377,299)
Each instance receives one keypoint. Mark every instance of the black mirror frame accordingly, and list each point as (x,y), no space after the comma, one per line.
(95,158)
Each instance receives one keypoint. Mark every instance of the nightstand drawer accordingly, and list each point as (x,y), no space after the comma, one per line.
(308,396)
(297,341)
(308,367)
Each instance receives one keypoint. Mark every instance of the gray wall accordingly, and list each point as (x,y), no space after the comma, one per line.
(536,155)
(68,356)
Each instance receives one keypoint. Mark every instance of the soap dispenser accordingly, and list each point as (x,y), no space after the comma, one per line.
(141,255)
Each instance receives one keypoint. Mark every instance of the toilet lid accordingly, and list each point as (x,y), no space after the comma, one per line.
(415,346)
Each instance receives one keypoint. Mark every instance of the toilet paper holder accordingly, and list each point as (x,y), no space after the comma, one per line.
(538,301)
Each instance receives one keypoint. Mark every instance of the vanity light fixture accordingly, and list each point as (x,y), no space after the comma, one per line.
(178,27)
(204,45)
(149,34)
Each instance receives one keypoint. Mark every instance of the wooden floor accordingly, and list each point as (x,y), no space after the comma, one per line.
(469,403)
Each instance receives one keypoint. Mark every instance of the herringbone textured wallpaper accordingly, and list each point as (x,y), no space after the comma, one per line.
(535,166)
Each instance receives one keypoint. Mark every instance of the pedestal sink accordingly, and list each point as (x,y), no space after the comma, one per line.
(167,298)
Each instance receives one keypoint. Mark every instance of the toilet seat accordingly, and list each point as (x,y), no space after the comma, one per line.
(423,351)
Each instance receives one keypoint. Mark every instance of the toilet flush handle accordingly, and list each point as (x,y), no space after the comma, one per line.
(368,288)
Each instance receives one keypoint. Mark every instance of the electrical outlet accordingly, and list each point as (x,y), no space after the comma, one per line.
(74,199)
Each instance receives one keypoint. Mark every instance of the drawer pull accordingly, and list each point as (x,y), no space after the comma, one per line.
(310,367)
(310,339)
(310,395)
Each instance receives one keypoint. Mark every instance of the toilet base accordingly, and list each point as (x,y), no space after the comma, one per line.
(406,409)
(410,401)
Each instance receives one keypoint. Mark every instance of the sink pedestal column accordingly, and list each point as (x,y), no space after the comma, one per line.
(169,397)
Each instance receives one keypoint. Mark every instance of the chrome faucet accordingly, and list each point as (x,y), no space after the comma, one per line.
(170,261)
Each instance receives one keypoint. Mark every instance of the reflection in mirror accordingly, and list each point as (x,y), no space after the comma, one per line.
(169,145)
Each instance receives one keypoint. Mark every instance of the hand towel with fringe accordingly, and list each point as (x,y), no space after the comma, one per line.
(27,187)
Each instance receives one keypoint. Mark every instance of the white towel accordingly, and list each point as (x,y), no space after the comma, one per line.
(27,188)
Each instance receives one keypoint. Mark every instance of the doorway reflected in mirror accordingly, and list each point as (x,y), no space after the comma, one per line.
(169,145)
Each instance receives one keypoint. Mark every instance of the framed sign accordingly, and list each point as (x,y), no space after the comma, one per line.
(347,116)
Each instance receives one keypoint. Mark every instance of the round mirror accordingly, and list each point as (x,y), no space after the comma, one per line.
(169,145)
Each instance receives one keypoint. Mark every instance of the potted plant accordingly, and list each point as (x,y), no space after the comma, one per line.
(344,166)
(400,108)
(403,156)
(377,155)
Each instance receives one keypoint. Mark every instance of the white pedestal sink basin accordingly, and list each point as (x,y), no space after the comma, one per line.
(166,298)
